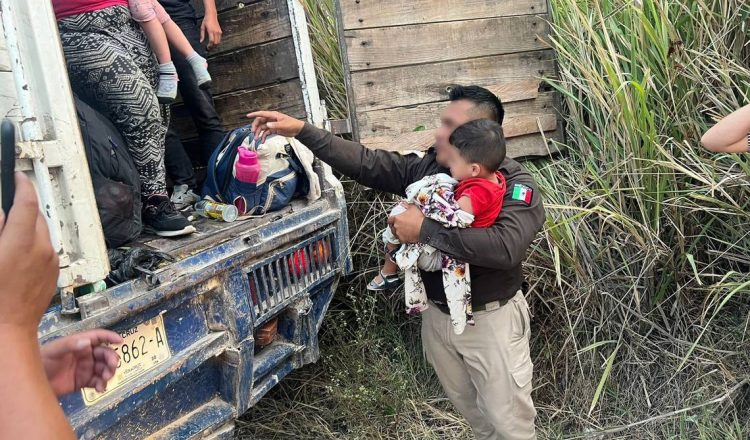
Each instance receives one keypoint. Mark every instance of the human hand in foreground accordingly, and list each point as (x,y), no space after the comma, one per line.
(29,270)
(28,264)
(82,360)
(266,123)
(407,225)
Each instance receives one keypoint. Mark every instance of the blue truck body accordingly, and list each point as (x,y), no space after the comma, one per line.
(226,283)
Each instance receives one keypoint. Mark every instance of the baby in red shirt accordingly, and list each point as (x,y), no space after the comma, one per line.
(477,151)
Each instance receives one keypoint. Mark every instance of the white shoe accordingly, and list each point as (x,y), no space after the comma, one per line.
(184,198)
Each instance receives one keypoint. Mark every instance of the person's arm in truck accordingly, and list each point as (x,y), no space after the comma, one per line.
(502,246)
(28,408)
(378,169)
(731,134)
(210,27)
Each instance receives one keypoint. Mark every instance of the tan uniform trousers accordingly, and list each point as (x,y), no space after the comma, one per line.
(486,371)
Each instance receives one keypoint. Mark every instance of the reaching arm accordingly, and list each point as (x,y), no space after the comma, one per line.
(378,169)
(730,135)
(502,246)
(382,170)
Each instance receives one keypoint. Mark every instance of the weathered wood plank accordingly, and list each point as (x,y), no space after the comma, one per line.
(232,107)
(413,85)
(379,13)
(429,43)
(401,120)
(221,5)
(254,66)
(253,24)
(530,145)
(513,127)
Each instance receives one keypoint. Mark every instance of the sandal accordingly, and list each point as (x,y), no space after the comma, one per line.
(390,282)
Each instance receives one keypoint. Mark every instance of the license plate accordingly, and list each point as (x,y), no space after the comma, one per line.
(144,347)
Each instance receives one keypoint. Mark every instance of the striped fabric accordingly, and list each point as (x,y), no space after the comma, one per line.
(112,67)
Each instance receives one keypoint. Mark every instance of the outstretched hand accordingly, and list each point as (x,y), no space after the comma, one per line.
(266,123)
(82,360)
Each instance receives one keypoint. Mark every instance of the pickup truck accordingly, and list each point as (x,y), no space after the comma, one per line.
(190,363)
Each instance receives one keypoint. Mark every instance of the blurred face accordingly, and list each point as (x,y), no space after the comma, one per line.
(454,115)
(460,168)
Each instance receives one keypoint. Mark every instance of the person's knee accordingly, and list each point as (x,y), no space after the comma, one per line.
(513,418)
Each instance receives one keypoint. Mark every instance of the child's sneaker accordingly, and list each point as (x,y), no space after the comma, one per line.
(161,218)
(167,90)
(184,198)
(200,68)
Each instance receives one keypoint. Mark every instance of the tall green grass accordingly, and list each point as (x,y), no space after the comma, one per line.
(640,278)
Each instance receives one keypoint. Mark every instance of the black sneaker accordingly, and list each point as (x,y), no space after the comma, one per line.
(161,218)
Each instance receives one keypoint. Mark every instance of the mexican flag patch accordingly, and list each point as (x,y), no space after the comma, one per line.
(522,193)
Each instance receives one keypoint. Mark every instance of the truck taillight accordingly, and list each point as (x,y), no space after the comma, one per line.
(303,260)
(298,263)
(321,252)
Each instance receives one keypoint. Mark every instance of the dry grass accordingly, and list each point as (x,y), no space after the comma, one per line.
(640,279)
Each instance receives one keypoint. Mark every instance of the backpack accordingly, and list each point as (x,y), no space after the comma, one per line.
(117,185)
(281,178)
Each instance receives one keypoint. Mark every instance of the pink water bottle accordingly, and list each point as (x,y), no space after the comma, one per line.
(247,168)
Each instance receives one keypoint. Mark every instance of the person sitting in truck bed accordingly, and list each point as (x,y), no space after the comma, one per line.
(487,370)
(112,68)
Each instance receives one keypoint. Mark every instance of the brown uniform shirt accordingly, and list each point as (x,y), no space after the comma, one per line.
(494,254)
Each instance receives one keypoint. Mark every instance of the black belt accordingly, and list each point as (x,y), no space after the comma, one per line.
(492,305)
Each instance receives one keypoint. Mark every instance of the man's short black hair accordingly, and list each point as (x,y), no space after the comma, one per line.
(484,99)
(481,141)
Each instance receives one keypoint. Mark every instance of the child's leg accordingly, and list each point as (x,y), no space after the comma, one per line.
(389,266)
(178,40)
(182,45)
(145,12)
(387,278)
(158,40)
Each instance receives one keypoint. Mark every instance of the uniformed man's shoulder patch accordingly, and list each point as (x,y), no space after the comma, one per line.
(522,193)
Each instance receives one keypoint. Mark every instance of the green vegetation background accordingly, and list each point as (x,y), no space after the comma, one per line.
(640,279)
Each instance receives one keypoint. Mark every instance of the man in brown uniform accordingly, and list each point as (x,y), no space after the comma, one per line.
(486,371)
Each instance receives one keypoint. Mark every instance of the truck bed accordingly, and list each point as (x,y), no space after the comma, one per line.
(211,232)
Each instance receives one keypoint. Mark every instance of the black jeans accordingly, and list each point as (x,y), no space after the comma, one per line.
(200,105)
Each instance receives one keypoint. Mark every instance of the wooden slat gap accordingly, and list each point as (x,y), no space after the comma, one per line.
(358,14)
(443,21)
(515,127)
(452,60)
(212,55)
(507,92)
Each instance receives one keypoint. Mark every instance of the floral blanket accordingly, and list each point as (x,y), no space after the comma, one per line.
(434,196)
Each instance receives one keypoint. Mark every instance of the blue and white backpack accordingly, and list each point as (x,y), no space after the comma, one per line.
(281,177)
